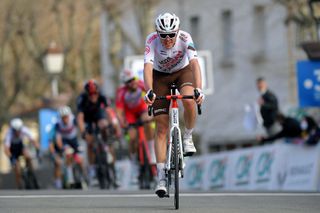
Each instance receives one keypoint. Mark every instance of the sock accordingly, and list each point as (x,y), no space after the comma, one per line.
(152,152)
(70,175)
(58,183)
(188,132)
(160,169)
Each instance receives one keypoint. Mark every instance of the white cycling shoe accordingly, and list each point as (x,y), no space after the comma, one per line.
(188,146)
(161,188)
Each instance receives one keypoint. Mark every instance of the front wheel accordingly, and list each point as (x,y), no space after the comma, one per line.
(175,141)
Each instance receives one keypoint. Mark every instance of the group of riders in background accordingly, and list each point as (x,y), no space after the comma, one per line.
(100,125)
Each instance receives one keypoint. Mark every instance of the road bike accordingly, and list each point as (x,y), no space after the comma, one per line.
(77,179)
(29,178)
(147,170)
(103,159)
(174,164)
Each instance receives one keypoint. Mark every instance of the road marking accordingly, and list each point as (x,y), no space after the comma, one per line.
(153,195)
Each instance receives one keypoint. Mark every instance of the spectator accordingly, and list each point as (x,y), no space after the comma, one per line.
(268,106)
(311,130)
(290,129)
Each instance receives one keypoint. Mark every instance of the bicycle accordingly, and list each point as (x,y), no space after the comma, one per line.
(174,164)
(77,179)
(29,178)
(147,171)
(103,159)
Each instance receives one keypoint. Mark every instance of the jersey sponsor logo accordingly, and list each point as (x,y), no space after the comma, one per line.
(183,37)
(169,63)
(191,47)
(152,38)
(147,50)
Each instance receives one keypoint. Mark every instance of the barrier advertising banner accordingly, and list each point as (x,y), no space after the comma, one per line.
(299,170)
(274,167)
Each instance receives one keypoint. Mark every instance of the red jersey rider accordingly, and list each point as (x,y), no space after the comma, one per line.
(131,108)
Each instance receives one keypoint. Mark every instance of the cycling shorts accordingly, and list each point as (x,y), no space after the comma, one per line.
(161,86)
(16,151)
(73,143)
(133,115)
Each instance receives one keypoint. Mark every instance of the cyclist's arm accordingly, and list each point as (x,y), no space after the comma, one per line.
(195,67)
(7,144)
(147,75)
(27,132)
(113,119)
(120,113)
(7,151)
(80,122)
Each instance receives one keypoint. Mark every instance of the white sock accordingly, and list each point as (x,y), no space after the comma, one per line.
(152,152)
(160,169)
(70,174)
(188,132)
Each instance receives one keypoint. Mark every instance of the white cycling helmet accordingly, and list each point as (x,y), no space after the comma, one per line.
(64,111)
(16,124)
(167,23)
(126,76)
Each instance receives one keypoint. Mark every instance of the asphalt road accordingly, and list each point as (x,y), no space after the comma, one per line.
(94,201)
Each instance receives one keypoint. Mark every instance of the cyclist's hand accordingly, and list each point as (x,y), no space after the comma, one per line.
(147,98)
(201,96)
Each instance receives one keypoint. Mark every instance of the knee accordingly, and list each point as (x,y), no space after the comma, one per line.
(188,104)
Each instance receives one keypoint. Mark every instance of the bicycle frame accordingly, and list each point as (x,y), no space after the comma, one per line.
(174,123)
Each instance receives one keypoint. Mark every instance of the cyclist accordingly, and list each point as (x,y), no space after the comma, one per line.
(131,108)
(56,154)
(66,135)
(14,147)
(94,109)
(170,56)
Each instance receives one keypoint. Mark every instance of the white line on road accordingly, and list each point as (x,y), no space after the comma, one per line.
(152,195)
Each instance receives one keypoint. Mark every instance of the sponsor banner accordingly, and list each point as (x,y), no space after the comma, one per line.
(299,170)
(241,169)
(193,173)
(47,119)
(216,172)
(264,168)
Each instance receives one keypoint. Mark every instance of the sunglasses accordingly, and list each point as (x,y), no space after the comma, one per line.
(164,35)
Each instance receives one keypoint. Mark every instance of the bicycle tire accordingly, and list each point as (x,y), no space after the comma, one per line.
(101,166)
(176,167)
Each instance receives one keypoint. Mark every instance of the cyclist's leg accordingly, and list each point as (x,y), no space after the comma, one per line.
(89,138)
(149,133)
(16,151)
(185,84)
(161,114)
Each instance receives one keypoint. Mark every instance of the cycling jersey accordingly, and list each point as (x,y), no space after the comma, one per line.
(92,111)
(169,60)
(67,131)
(131,102)
(12,139)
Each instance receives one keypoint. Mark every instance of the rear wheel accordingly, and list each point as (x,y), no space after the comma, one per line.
(176,167)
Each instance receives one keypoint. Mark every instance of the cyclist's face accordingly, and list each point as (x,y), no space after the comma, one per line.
(132,84)
(168,41)
(65,119)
